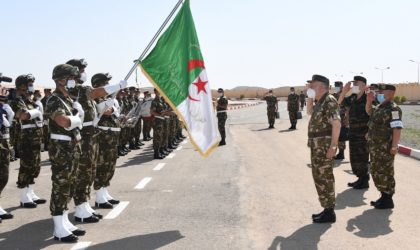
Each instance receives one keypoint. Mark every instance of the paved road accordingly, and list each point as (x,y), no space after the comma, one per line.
(255,193)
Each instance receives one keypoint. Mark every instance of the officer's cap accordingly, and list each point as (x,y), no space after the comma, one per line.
(220,90)
(387,87)
(319,78)
(338,84)
(360,79)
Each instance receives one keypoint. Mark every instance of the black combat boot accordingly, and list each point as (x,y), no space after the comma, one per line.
(317,215)
(374,203)
(352,184)
(386,202)
(222,142)
(327,216)
(293,127)
(121,152)
(163,153)
(340,155)
(363,183)
(157,155)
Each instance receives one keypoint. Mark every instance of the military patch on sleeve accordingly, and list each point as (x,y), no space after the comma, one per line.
(397,124)
(395,115)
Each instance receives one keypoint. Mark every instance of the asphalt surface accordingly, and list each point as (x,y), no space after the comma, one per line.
(255,193)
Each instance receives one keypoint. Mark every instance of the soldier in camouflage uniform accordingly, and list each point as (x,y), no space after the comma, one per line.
(138,127)
(109,126)
(323,133)
(293,107)
(30,120)
(45,132)
(157,109)
(272,108)
(166,128)
(385,127)
(132,129)
(121,151)
(146,116)
(344,122)
(14,131)
(358,127)
(6,118)
(302,98)
(221,108)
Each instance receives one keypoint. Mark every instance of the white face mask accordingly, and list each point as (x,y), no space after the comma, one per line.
(71,84)
(355,90)
(337,89)
(270,94)
(220,94)
(311,93)
(83,77)
(31,89)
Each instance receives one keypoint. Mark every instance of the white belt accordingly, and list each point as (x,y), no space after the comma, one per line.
(60,137)
(5,136)
(222,111)
(160,117)
(110,128)
(86,124)
(28,126)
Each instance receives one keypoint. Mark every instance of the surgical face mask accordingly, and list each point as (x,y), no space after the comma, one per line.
(380,98)
(337,89)
(270,94)
(31,89)
(83,77)
(292,92)
(311,93)
(220,94)
(355,90)
(71,84)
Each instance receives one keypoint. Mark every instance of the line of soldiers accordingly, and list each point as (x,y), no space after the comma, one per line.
(293,101)
(375,124)
(85,129)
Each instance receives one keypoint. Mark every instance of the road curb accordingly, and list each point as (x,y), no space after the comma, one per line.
(244,106)
(413,153)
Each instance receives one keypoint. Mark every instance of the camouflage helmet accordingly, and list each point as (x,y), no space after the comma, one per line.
(100,79)
(23,80)
(80,63)
(64,70)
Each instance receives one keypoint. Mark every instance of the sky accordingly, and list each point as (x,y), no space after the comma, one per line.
(266,43)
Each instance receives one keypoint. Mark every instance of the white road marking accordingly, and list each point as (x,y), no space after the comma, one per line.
(143,183)
(117,210)
(170,156)
(179,148)
(81,245)
(159,166)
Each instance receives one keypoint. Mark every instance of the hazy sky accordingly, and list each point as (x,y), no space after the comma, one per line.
(268,43)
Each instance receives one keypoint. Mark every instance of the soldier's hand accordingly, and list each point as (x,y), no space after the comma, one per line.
(331,153)
(347,87)
(393,151)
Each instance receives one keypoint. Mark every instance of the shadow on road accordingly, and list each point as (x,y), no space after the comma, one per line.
(306,237)
(145,156)
(33,235)
(144,242)
(350,198)
(261,129)
(371,224)
(286,131)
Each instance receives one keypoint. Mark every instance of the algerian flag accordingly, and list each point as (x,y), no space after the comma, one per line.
(176,68)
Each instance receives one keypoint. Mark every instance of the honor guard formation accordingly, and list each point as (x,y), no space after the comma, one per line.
(84,129)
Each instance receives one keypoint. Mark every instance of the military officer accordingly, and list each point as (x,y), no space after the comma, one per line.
(293,107)
(344,122)
(221,108)
(30,120)
(157,109)
(323,132)
(272,108)
(6,119)
(384,134)
(302,98)
(358,124)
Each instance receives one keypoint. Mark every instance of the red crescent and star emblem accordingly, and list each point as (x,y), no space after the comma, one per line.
(200,84)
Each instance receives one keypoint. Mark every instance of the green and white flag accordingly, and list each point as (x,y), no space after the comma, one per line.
(176,68)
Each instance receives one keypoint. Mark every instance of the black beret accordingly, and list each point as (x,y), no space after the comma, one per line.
(387,87)
(220,90)
(360,78)
(319,78)
(338,84)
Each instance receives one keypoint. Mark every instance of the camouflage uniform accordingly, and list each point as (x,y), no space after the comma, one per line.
(29,143)
(384,119)
(222,102)
(319,134)
(89,145)
(293,107)
(271,109)
(109,126)
(137,127)
(302,98)
(358,121)
(344,121)
(165,125)
(158,124)
(45,131)
(4,153)
(64,155)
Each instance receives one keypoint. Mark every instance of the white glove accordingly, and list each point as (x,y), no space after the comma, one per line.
(96,121)
(10,113)
(80,111)
(5,121)
(75,122)
(112,88)
(34,113)
(109,103)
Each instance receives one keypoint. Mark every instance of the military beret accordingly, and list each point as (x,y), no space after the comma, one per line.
(100,79)
(220,90)
(64,70)
(387,87)
(360,79)
(80,63)
(373,85)
(24,80)
(319,78)
(338,84)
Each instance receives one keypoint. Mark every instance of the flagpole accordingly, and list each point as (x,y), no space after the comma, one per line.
(136,62)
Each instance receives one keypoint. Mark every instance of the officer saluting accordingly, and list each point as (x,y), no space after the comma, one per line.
(323,132)
(385,127)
